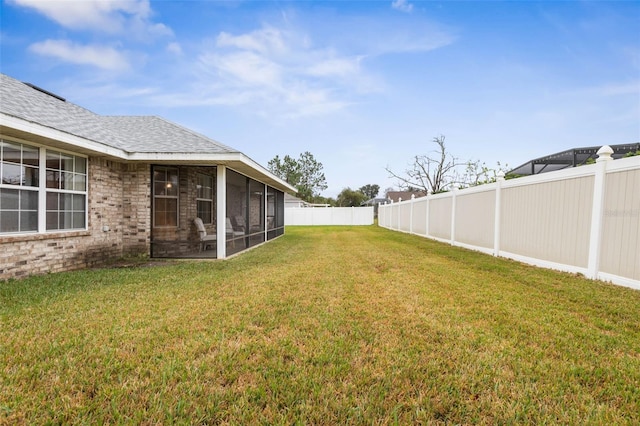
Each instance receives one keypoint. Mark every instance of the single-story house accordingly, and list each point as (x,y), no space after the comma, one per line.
(79,189)
(295,202)
(375,202)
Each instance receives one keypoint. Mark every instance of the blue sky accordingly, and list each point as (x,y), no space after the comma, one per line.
(362,85)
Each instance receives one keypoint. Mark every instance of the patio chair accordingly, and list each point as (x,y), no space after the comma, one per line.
(205,240)
(232,233)
(238,223)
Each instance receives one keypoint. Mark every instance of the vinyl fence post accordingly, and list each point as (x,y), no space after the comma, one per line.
(453,215)
(398,214)
(413,199)
(426,225)
(497,214)
(597,211)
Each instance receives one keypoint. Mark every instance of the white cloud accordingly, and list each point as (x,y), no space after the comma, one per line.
(402,5)
(267,41)
(174,48)
(113,17)
(278,72)
(244,68)
(102,57)
(335,67)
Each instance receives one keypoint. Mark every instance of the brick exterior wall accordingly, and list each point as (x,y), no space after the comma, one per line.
(136,200)
(118,224)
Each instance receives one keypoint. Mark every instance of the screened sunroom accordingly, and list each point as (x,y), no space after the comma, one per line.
(211,212)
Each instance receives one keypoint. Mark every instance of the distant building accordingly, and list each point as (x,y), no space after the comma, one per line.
(396,196)
(291,201)
(375,202)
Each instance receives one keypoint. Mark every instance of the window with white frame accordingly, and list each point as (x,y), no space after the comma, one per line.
(204,198)
(31,175)
(165,197)
(66,181)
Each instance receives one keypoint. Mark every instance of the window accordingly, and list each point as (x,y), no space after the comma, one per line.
(31,175)
(19,169)
(66,182)
(204,198)
(66,172)
(165,196)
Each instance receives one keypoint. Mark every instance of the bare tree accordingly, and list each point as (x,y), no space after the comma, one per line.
(430,173)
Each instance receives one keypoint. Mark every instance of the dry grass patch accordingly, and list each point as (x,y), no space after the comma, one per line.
(326,325)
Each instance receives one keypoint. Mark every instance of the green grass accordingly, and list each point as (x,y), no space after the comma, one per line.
(328,325)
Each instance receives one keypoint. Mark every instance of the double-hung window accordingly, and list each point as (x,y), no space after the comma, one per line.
(19,168)
(41,189)
(66,190)
(165,197)
(204,198)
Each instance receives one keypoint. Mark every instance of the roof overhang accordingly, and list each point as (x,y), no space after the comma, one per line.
(32,132)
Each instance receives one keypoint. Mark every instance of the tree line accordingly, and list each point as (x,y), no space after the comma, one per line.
(306,174)
(432,173)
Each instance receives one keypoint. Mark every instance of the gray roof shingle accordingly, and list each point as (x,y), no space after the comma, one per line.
(144,134)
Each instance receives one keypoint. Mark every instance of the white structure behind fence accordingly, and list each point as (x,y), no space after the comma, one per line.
(584,220)
(328,216)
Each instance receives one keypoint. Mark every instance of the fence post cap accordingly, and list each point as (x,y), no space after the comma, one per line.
(399,199)
(604,153)
(413,196)
(500,175)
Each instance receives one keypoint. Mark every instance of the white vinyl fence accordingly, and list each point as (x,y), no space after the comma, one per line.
(328,215)
(583,220)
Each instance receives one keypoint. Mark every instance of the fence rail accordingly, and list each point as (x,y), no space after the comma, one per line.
(583,220)
(328,215)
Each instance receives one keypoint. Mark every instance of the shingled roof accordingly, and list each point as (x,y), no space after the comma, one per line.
(128,133)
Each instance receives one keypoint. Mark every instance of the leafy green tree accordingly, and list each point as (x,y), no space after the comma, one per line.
(371,191)
(319,199)
(287,169)
(350,198)
(305,174)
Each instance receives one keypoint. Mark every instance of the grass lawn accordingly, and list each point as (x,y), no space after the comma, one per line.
(327,325)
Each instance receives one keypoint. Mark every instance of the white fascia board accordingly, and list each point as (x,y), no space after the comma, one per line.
(60,136)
